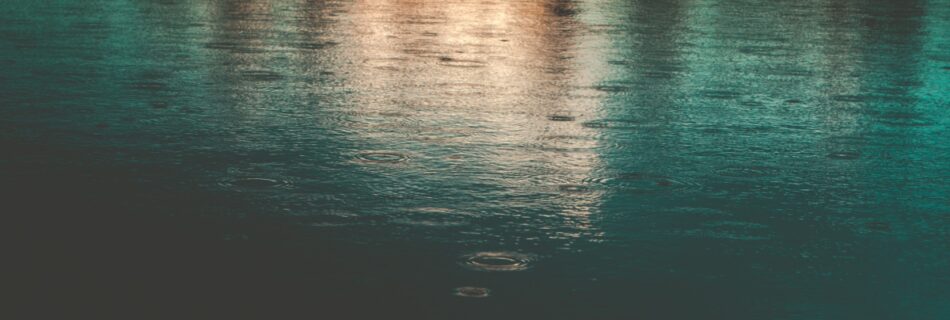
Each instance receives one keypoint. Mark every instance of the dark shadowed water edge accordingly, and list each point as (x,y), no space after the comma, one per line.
(422,159)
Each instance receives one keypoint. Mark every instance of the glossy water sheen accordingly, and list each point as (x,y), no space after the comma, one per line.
(588,159)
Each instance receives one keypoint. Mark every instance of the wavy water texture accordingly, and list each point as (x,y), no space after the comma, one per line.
(556,159)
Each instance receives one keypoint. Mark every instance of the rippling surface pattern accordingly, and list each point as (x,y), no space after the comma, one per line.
(373,159)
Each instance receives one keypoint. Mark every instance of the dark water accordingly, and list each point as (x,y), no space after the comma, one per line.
(639,159)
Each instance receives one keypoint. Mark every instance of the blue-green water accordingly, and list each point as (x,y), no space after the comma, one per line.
(589,159)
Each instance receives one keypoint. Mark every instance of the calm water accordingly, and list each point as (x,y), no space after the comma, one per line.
(548,159)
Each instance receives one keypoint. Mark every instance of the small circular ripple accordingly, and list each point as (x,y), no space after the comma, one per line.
(382,157)
(497,261)
(472,292)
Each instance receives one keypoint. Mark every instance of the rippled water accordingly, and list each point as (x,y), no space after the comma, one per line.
(587,159)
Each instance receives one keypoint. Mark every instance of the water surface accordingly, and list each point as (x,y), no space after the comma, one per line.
(550,159)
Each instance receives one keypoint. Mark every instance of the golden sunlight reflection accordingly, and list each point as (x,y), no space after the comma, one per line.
(491,84)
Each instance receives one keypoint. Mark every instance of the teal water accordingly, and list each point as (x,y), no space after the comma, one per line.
(423,159)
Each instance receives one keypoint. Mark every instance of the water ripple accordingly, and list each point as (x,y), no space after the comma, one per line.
(381,157)
(472,292)
(431,217)
(573,188)
(497,261)
(461,63)
(613,124)
(844,155)
(255,183)
(560,117)
(642,182)
(747,171)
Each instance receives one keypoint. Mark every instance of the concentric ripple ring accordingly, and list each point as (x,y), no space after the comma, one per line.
(472,292)
(382,157)
(497,261)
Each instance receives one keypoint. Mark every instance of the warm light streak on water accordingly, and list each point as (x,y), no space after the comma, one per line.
(589,159)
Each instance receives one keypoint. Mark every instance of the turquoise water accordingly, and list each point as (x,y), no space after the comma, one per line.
(426,159)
